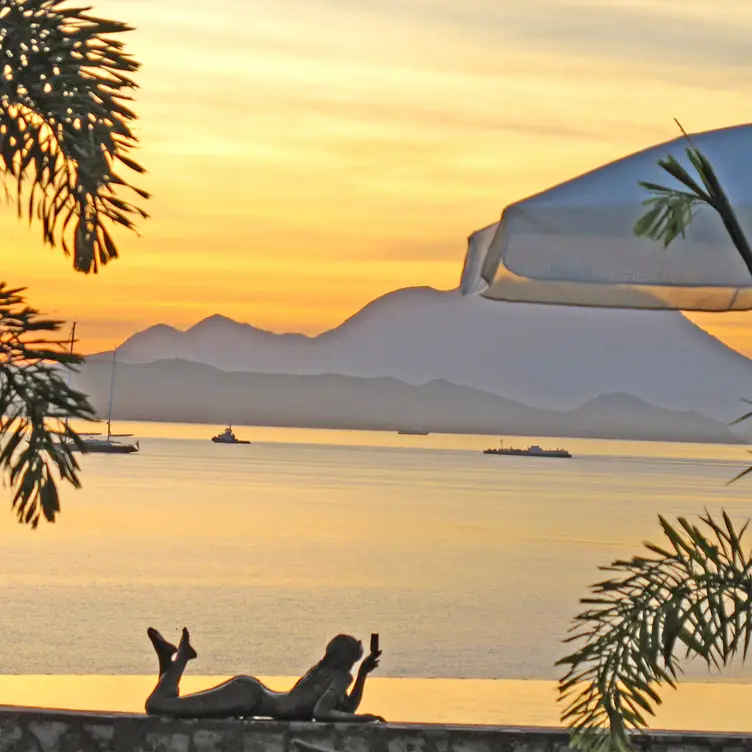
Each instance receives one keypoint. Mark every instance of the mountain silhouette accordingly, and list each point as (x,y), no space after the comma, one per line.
(180,391)
(544,356)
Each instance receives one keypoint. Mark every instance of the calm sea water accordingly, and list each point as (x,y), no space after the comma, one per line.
(469,566)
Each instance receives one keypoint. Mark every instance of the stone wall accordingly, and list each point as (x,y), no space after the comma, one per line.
(37,730)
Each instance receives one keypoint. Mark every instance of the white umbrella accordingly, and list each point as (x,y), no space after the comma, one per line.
(574,244)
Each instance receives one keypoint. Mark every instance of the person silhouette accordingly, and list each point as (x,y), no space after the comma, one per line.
(321,694)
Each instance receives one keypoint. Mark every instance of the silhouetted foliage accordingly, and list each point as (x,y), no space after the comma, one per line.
(688,598)
(64,124)
(35,403)
(64,135)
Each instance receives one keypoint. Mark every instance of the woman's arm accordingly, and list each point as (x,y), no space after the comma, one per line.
(356,694)
(327,708)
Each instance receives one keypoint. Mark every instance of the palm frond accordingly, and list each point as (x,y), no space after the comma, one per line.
(744,417)
(741,419)
(38,445)
(65,128)
(669,215)
(689,597)
(672,209)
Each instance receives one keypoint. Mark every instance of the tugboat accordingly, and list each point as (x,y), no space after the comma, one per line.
(531,451)
(228,437)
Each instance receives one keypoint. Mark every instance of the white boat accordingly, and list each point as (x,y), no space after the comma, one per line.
(99,443)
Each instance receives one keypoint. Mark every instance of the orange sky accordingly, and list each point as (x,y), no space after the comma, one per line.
(306,156)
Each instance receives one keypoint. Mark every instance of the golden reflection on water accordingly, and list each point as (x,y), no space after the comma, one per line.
(468,566)
(695,706)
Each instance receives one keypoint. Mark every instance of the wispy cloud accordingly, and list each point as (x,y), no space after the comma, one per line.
(687,32)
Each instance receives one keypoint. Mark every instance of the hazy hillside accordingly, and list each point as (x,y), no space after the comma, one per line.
(182,391)
(547,356)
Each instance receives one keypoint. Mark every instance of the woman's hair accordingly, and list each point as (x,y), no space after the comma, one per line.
(342,649)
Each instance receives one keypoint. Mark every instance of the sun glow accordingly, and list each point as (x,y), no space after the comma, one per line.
(306,157)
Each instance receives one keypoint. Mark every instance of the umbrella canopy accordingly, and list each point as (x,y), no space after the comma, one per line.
(574,244)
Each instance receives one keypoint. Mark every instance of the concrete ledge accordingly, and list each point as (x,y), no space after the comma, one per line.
(42,730)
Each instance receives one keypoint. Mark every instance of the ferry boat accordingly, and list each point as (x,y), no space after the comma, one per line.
(228,437)
(532,451)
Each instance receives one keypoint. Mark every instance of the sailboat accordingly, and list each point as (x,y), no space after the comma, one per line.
(98,443)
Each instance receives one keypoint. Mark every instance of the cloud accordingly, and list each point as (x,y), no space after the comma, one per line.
(686,32)
(438,32)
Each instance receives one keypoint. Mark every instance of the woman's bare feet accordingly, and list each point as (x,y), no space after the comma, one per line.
(164,650)
(185,649)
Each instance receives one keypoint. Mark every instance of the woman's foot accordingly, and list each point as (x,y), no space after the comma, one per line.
(185,649)
(165,650)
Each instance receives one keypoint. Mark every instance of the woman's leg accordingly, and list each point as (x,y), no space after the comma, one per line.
(242,695)
(164,650)
(169,680)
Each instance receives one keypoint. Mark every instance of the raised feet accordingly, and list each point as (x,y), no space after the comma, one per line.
(185,649)
(164,649)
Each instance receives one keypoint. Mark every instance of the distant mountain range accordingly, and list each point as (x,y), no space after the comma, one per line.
(174,390)
(547,356)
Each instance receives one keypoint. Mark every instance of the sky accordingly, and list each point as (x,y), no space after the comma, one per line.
(307,156)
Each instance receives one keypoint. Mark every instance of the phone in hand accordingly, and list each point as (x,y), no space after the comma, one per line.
(374,643)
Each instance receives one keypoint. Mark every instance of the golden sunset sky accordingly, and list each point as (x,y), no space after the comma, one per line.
(306,156)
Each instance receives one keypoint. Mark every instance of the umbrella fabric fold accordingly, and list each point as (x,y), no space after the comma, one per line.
(574,244)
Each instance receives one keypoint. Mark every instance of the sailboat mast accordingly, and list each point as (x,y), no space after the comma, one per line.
(70,371)
(112,390)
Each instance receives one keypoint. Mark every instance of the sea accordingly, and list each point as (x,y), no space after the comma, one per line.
(469,566)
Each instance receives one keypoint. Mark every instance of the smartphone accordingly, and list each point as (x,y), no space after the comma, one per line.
(374,642)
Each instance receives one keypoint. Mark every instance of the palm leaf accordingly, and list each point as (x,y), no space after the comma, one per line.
(65,132)
(670,214)
(743,418)
(34,398)
(690,597)
(64,129)
(672,209)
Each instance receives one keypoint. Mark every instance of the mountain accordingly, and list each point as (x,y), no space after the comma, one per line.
(174,390)
(549,356)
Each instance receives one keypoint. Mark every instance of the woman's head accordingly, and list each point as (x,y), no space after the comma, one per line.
(343,651)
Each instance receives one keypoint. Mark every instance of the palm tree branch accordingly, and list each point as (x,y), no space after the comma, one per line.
(671,209)
(691,598)
(63,124)
(35,405)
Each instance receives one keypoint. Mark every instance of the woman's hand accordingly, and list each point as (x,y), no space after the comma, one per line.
(370,663)
(373,718)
